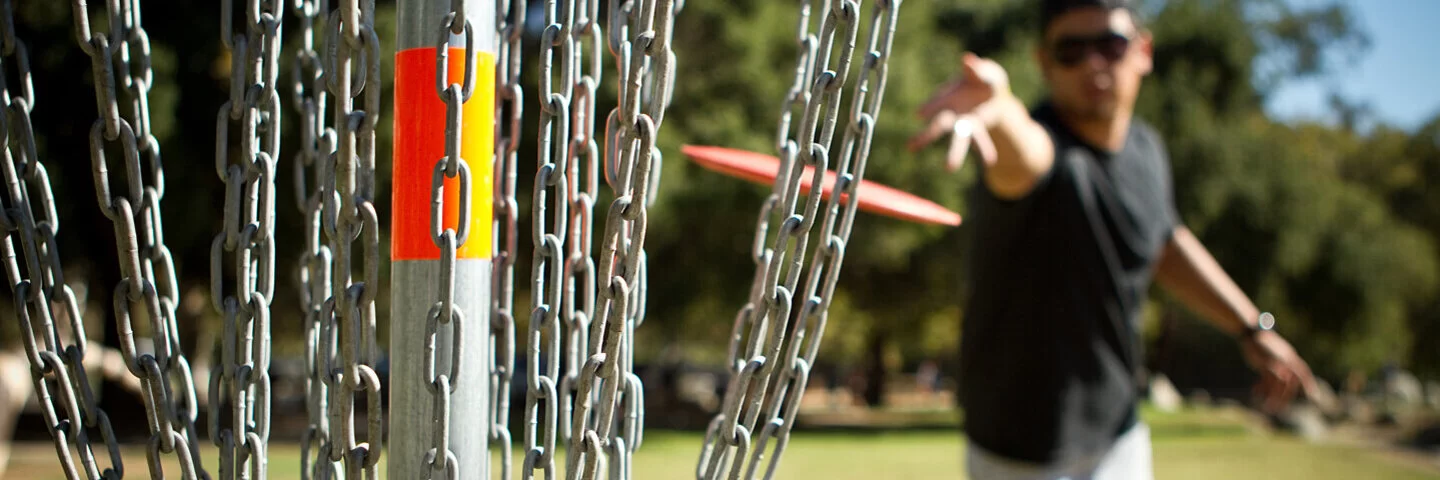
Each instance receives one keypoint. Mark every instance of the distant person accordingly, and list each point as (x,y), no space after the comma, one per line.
(1072,219)
(927,377)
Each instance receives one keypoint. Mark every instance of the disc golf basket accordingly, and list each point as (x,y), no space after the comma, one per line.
(453,233)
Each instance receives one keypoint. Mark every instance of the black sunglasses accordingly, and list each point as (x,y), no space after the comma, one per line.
(1069,51)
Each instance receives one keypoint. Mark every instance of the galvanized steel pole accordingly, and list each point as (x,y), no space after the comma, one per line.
(441,239)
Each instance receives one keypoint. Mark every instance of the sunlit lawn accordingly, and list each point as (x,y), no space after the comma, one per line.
(1187,446)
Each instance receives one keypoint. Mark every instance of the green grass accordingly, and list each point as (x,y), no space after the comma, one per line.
(1277,458)
(1188,445)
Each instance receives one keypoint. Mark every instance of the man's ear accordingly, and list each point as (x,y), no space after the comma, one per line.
(1146,50)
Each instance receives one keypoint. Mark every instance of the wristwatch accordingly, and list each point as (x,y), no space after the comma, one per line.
(1265,323)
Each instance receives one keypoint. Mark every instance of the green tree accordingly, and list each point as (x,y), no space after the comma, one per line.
(1400,167)
(1342,272)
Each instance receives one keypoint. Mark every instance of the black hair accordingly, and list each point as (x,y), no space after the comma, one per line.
(1052,9)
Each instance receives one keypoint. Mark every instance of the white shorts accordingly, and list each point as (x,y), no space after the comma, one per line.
(1128,459)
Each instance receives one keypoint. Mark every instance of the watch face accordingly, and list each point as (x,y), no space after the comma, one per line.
(1267,321)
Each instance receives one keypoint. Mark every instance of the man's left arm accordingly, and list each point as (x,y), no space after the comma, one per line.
(1188,271)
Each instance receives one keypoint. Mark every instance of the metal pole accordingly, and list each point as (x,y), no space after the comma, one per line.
(419,422)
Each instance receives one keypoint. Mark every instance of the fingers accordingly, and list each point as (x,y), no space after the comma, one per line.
(971,64)
(939,125)
(1283,375)
(984,144)
(1279,383)
(968,129)
(948,112)
(959,145)
(1311,387)
(980,70)
(1306,377)
(1298,374)
(963,130)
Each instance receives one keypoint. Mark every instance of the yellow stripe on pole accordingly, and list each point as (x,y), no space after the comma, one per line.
(420,142)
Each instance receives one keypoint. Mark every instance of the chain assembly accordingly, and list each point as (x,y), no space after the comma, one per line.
(445,312)
(352,69)
(765,382)
(44,303)
(146,267)
(639,40)
(509,110)
(586,309)
(247,233)
(314,267)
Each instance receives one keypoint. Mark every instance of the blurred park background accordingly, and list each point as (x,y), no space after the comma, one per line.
(1305,141)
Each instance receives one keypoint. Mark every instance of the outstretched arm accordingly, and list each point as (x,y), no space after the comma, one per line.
(1188,271)
(1017,151)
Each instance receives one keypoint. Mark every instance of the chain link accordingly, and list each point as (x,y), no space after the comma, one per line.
(146,266)
(769,382)
(41,296)
(607,386)
(509,109)
(247,234)
(317,144)
(445,312)
(352,62)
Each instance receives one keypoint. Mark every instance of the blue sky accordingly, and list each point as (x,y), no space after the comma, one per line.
(1399,76)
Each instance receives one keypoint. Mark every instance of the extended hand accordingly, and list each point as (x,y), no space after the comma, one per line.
(962,109)
(1282,372)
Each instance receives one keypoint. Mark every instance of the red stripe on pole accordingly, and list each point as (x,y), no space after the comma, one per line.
(419,143)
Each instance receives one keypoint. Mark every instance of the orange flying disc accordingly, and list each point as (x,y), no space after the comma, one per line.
(874,197)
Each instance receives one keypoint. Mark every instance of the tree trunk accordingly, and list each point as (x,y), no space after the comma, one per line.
(876,375)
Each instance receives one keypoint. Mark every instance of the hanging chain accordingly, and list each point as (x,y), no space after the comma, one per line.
(348,214)
(583,157)
(640,41)
(548,263)
(55,367)
(762,383)
(808,327)
(509,109)
(157,264)
(444,312)
(248,233)
(147,270)
(317,144)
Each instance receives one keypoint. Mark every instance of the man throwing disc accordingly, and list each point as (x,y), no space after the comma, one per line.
(1073,219)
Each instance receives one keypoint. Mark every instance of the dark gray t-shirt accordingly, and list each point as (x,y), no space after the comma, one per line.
(1050,341)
